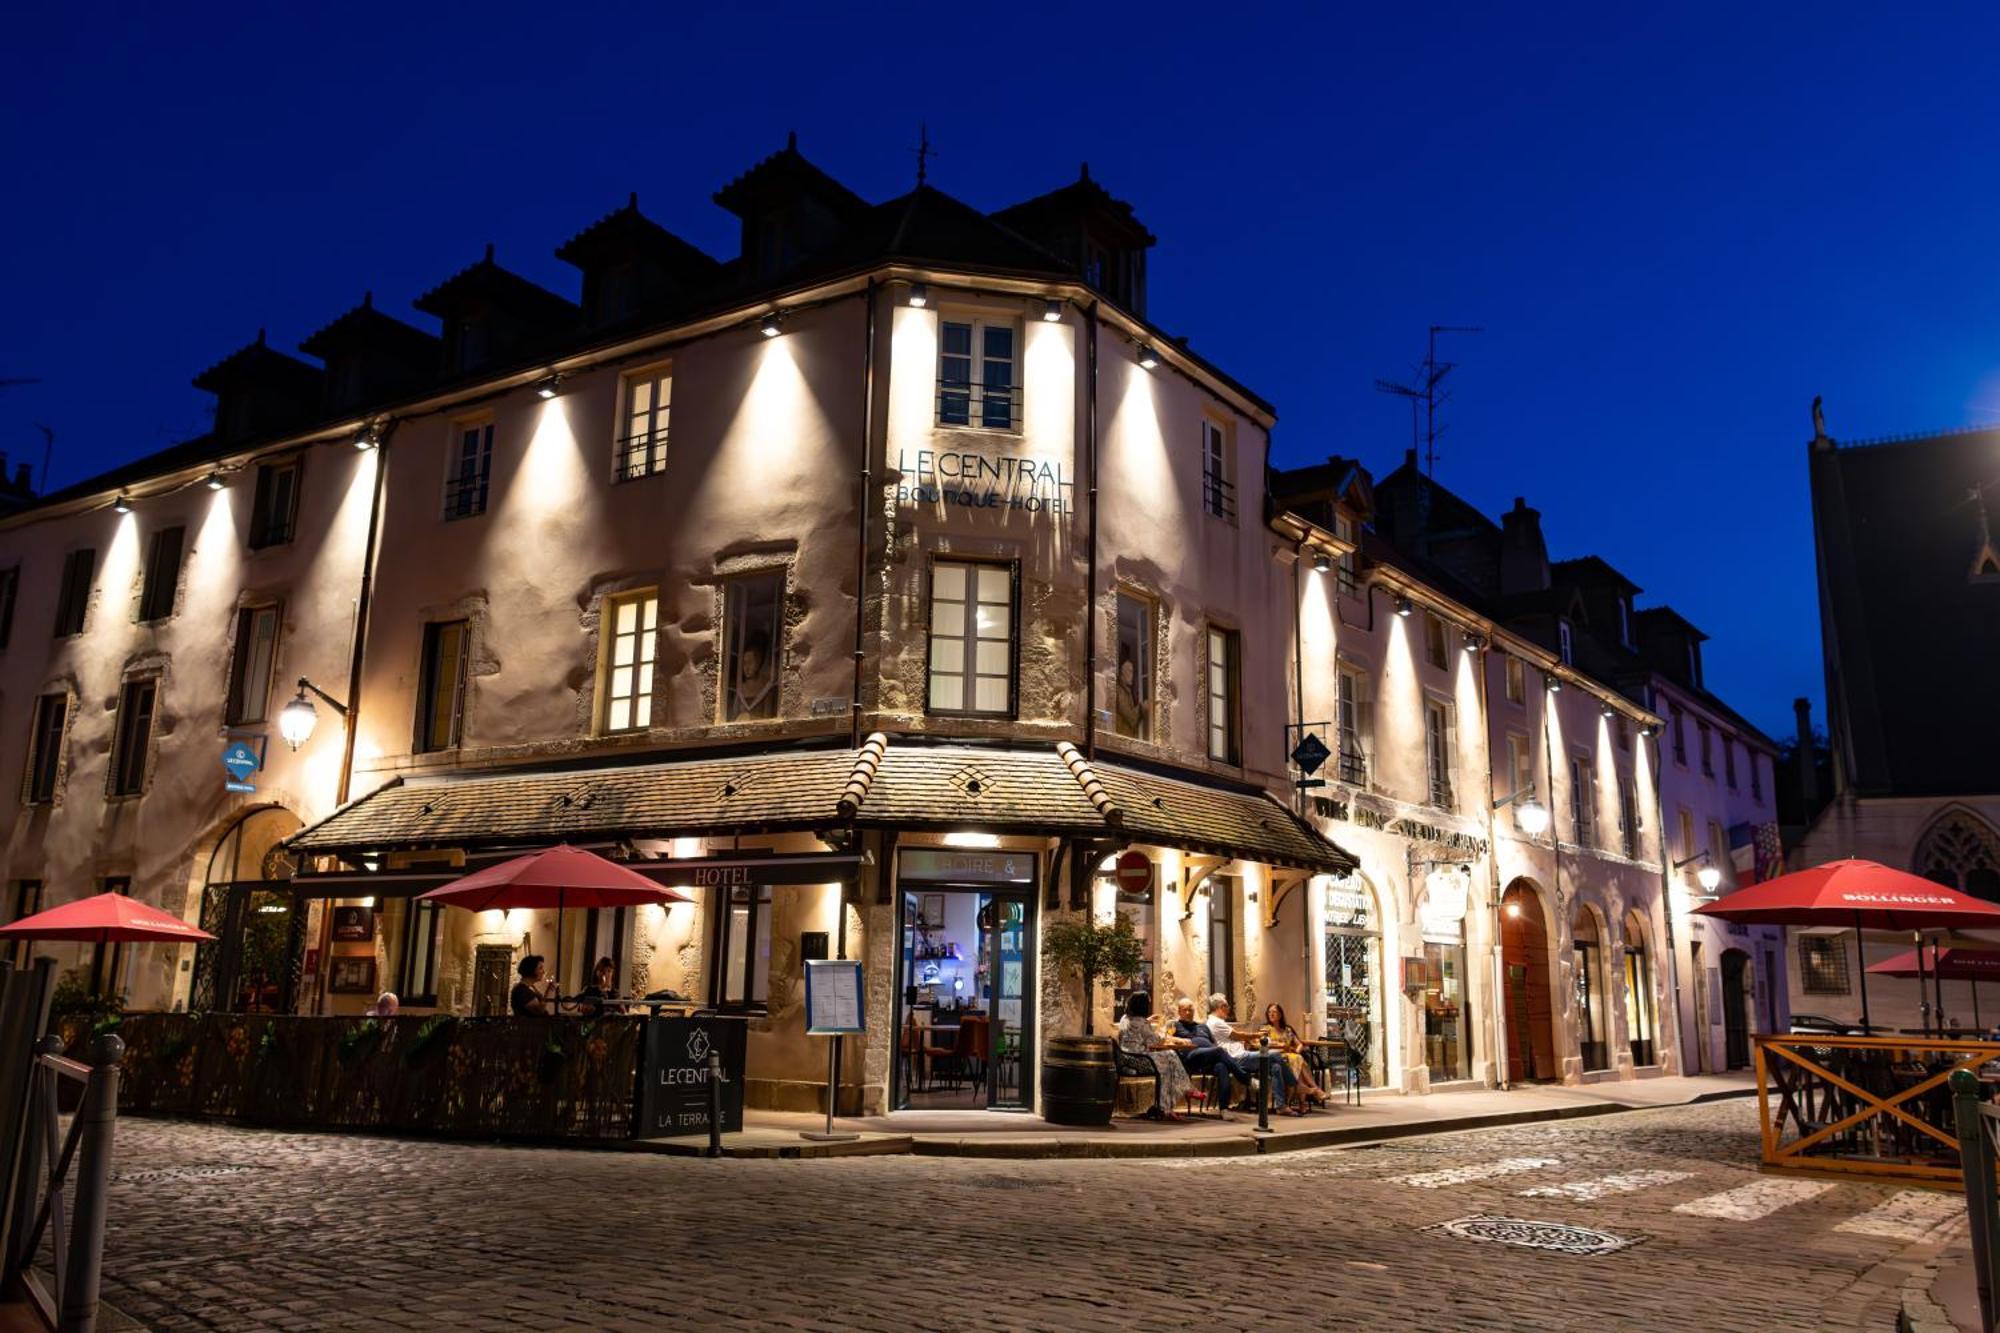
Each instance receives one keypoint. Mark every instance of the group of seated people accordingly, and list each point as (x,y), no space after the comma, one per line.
(1217,1047)
(535,993)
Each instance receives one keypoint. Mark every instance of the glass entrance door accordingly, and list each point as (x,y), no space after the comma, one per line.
(964,1011)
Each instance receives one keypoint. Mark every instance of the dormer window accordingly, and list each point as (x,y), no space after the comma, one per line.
(1694,664)
(1566,644)
(1625,621)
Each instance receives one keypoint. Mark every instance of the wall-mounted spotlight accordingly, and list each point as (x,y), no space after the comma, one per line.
(1052,312)
(214,482)
(1474,641)
(920,296)
(1322,562)
(122,505)
(1650,729)
(549,387)
(1148,358)
(1404,607)
(368,439)
(769,326)
(1552,683)
(1609,711)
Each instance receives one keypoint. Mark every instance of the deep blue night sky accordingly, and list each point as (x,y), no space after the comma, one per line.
(1675,232)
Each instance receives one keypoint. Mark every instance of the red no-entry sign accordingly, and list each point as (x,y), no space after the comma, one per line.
(1135,872)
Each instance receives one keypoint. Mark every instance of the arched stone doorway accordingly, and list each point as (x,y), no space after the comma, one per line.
(1524,957)
(1593,1016)
(259,924)
(1737,984)
(1352,942)
(1642,1026)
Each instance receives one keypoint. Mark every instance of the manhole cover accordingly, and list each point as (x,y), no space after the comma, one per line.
(178,1173)
(1558,1236)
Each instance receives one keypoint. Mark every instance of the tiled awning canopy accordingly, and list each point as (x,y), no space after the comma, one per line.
(1049,792)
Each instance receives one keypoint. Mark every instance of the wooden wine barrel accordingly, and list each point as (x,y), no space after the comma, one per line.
(1079,1080)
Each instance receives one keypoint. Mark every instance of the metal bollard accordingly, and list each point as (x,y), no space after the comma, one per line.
(714,1104)
(99,1117)
(1264,1093)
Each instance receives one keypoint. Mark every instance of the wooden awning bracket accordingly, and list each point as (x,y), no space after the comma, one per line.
(1282,884)
(1195,873)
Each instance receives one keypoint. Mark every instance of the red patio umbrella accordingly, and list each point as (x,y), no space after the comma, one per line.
(1949,964)
(106,918)
(1855,893)
(560,877)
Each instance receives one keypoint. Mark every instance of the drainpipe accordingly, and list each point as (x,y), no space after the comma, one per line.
(357,655)
(867,502)
(1493,876)
(1090,543)
(1298,655)
(1667,911)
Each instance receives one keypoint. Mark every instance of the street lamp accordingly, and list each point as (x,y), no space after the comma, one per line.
(297,719)
(1530,816)
(1709,876)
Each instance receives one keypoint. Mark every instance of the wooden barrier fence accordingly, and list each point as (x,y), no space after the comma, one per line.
(1870,1105)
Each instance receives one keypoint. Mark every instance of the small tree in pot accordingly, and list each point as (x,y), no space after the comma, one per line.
(1094,951)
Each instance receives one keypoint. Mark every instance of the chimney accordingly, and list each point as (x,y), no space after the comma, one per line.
(1524,557)
(1808,756)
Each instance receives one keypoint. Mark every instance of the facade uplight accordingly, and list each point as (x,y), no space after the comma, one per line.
(1148,358)
(1553,683)
(920,296)
(1052,312)
(367,439)
(549,388)
(1322,562)
(215,482)
(122,505)
(1404,607)
(769,326)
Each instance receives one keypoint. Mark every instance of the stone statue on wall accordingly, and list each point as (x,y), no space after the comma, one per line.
(1819,418)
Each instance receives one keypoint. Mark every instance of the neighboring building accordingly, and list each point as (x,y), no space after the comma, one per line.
(1909,587)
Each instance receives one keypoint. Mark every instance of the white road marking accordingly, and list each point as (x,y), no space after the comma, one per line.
(1460,1175)
(1908,1215)
(1760,1198)
(1624,1182)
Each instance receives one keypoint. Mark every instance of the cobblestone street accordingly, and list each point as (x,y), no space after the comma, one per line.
(231,1228)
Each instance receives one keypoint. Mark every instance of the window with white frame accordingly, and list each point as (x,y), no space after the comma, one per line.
(972,638)
(468,468)
(1132,696)
(1437,646)
(1343,528)
(1582,799)
(753,615)
(1225,703)
(1352,723)
(642,438)
(1628,817)
(630,643)
(1218,492)
(1437,752)
(1520,771)
(1517,680)
(250,665)
(979,373)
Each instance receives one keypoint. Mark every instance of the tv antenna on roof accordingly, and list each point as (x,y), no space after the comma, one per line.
(1425,391)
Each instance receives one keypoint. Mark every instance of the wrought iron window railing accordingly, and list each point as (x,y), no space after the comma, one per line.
(641,454)
(1440,789)
(1218,494)
(1353,764)
(465,495)
(985,406)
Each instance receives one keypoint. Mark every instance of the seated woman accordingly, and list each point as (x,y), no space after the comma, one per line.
(531,994)
(1137,1035)
(1285,1040)
(594,1000)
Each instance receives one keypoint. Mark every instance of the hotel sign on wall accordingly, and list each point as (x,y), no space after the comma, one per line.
(983,480)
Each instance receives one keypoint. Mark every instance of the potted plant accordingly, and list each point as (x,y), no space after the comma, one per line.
(1080,1073)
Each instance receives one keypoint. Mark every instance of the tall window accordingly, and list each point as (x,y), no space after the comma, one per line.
(1962,851)
(1823,964)
(1435,646)
(468,468)
(1352,722)
(1628,817)
(73,597)
(753,616)
(45,748)
(1517,682)
(1343,528)
(1718,853)
(1680,735)
(10,591)
(743,955)
(441,688)
(1591,1025)
(24,902)
(979,381)
(1437,752)
(1566,645)
(107,960)
(1707,753)
(1520,771)
(642,448)
(1225,702)
(1687,835)
(1756,774)
(134,740)
(1583,799)
(630,637)
(1132,704)
(1625,621)
(251,665)
(1639,1021)
(163,574)
(1218,493)
(972,639)
(1138,904)
(274,509)
(1221,937)
(1729,761)
(416,970)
